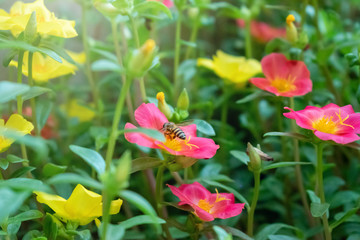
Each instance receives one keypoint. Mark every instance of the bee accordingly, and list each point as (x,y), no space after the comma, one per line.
(172,131)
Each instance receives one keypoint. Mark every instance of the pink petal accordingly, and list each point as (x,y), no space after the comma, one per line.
(190,193)
(354,120)
(348,109)
(303,86)
(189,130)
(206,148)
(203,215)
(139,138)
(149,116)
(262,83)
(305,118)
(227,211)
(341,139)
(168,3)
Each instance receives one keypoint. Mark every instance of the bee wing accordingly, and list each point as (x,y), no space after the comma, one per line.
(185,123)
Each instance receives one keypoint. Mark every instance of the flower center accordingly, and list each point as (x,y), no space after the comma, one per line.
(327,125)
(283,85)
(205,205)
(177,144)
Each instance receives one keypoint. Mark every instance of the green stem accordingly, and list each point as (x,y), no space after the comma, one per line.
(88,71)
(32,100)
(250,229)
(159,198)
(320,187)
(177,83)
(193,36)
(20,101)
(137,42)
(248,47)
(106,213)
(120,61)
(298,172)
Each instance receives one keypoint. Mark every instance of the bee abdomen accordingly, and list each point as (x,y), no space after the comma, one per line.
(180,134)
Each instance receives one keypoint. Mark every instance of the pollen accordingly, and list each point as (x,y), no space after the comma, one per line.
(290,18)
(205,205)
(178,145)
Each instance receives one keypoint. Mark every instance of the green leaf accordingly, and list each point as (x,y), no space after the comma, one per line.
(283,164)
(2,233)
(57,48)
(288,134)
(204,127)
(274,228)
(347,215)
(25,216)
(9,90)
(4,162)
(277,44)
(10,202)
(25,184)
(139,220)
(313,197)
(34,92)
(319,209)
(282,237)
(114,232)
(242,156)
(90,156)
(22,171)
(222,234)
(188,44)
(324,54)
(147,6)
(50,53)
(141,203)
(155,134)
(51,225)
(8,57)
(13,228)
(229,189)
(75,179)
(253,96)
(51,169)
(43,110)
(106,65)
(237,233)
(143,163)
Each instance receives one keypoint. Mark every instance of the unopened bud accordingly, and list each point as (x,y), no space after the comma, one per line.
(254,164)
(107,9)
(163,106)
(291,31)
(123,170)
(125,7)
(183,100)
(193,12)
(142,58)
(31,29)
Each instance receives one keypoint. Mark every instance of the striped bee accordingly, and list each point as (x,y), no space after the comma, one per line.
(172,131)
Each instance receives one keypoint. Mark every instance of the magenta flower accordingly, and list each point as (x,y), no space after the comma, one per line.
(287,78)
(207,206)
(330,122)
(149,116)
(262,31)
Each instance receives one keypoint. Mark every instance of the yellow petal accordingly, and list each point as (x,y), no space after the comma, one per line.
(55,202)
(204,62)
(115,206)
(20,124)
(77,57)
(82,203)
(59,28)
(82,113)
(2,122)
(97,222)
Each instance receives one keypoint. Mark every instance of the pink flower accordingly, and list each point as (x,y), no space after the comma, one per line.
(287,78)
(149,116)
(263,32)
(207,206)
(167,3)
(330,122)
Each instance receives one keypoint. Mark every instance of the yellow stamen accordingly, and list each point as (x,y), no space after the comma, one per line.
(341,121)
(177,144)
(160,96)
(290,18)
(283,85)
(205,205)
(219,199)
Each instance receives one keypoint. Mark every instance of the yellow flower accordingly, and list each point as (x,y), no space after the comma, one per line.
(74,109)
(15,123)
(83,206)
(236,70)
(47,23)
(46,68)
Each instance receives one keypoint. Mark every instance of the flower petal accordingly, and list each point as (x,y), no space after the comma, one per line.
(55,202)
(138,138)
(226,211)
(204,148)
(341,139)
(149,116)
(20,124)
(305,118)
(190,193)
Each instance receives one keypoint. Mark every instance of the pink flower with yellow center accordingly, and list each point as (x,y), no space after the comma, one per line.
(331,122)
(287,78)
(263,32)
(206,205)
(149,116)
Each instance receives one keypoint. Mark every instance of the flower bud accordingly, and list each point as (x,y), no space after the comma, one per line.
(125,7)
(193,12)
(123,170)
(107,9)
(31,29)
(183,100)
(291,31)
(254,164)
(163,106)
(142,58)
